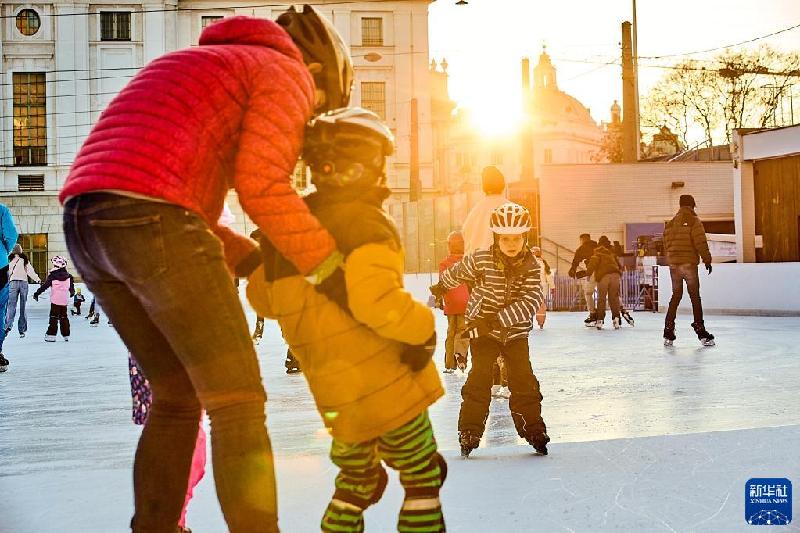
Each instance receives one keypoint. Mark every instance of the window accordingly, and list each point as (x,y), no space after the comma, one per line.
(28,22)
(35,246)
(115,26)
(30,119)
(371,31)
(206,20)
(548,155)
(373,97)
(30,183)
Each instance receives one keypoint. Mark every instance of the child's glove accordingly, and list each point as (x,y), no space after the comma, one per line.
(417,356)
(482,327)
(35,296)
(438,290)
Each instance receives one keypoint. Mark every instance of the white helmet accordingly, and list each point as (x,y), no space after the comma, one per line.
(510,219)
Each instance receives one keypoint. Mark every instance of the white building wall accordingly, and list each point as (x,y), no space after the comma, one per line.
(600,199)
(85,73)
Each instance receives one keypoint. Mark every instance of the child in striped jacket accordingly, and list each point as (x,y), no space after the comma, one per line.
(507,291)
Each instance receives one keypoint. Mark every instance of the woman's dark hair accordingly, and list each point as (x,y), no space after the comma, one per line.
(23,255)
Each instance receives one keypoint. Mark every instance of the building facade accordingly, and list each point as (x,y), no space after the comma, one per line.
(62,63)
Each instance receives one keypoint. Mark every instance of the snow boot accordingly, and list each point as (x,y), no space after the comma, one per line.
(468,442)
(669,334)
(590,320)
(617,322)
(628,317)
(3,363)
(539,443)
(49,338)
(706,338)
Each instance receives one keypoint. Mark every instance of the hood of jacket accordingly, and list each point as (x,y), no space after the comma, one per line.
(59,274)
(250,31)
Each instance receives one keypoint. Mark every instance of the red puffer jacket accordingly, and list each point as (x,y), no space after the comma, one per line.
(455,300)
(196,122)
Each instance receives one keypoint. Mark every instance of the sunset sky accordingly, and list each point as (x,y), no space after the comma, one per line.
(485,40)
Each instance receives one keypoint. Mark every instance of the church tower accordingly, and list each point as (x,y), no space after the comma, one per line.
(544,74)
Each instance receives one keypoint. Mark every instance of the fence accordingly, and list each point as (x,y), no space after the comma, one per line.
(638,289)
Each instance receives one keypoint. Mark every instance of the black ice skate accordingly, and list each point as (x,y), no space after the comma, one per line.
(628,317)
(3,363)
(669,334)
(95,321)
(468,442)
(590,320)
(539,443)
(291,364)
(706,338)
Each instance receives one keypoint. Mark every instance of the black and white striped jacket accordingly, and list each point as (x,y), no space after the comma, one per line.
(513,292)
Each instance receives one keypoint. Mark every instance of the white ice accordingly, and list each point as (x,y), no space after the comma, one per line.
(644,438)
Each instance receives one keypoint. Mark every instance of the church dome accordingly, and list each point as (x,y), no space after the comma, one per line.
(549,103)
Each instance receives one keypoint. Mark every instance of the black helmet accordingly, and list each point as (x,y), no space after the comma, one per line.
(347,146)
(319,42)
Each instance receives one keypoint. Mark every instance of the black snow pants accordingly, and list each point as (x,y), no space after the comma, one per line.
(58,317)
(526,399)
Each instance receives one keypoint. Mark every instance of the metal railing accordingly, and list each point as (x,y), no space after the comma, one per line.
(638,288)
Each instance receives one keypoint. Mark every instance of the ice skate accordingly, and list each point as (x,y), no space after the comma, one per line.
(66,339)
(598,324)
(669,335)
(617,322)
(95,321)
(3,363)
(22,335)
(49,338)
(468,442)
(590,320)
(706,338)
(291,364)
(628,318)
(539,443)
(448,370)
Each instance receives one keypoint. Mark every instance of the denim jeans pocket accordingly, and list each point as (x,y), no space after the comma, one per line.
(134,247)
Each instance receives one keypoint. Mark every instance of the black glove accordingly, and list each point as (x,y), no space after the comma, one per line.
(35,296)
(438,290)
(335,288)
(247,265)
(417,356)
(481,327)
(708,267)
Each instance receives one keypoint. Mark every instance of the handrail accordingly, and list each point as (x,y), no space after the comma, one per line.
(551,241)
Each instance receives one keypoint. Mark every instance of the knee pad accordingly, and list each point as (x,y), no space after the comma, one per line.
(348,497)
(418,493)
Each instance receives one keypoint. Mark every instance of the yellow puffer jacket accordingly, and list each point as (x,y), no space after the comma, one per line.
(352,363)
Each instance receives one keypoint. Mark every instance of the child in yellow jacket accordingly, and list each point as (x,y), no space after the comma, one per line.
(367,356)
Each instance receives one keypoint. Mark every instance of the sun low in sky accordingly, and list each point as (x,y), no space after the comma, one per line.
(485,40)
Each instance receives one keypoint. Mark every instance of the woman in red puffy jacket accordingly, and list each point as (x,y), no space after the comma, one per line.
(142,202)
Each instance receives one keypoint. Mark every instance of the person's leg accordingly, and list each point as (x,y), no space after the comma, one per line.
(613,294)
(52,326)
(78,308)
(205,330)
(461,345)
(22,323)
(689,273)
(3,305)
(602,295)
(449,343)
(677,293)
(476,393)
(63,320)
(411,451)
(526,399)
(11,306)
(360,483)
(197,472)
(587,286)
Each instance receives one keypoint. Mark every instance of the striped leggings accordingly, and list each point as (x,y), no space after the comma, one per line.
(409,449)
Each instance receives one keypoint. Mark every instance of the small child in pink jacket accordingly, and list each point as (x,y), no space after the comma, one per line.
(62,288)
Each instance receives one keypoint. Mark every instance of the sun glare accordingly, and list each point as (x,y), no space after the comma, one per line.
(495,117)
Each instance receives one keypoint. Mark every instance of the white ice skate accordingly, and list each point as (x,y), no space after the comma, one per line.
(598,324)
(49,338)
(617,322)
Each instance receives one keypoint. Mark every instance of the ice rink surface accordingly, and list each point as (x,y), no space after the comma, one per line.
(644,438)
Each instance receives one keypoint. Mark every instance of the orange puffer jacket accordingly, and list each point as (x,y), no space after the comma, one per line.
(196,122)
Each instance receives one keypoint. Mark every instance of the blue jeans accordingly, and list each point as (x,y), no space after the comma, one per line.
(159,274)
(17,290)
(3,304)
